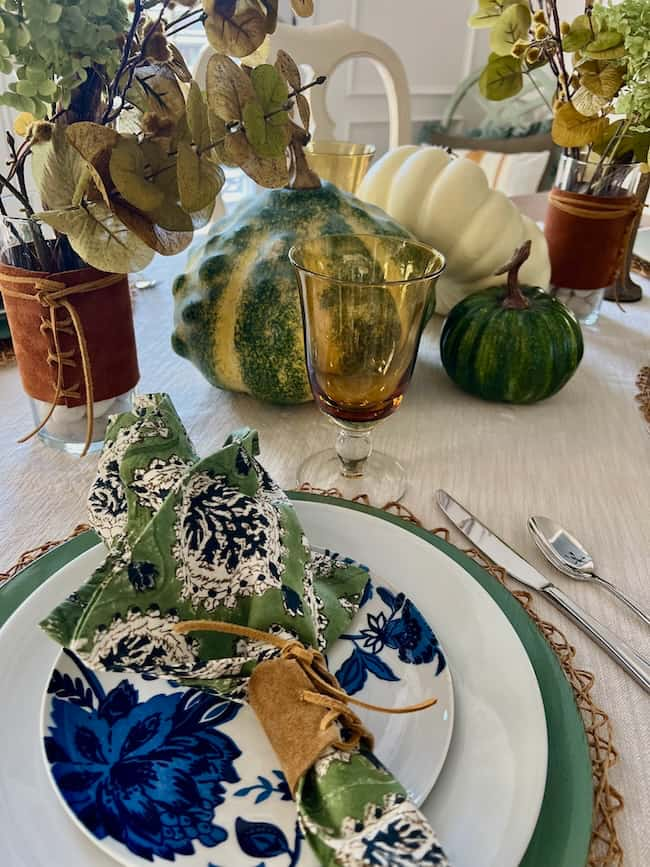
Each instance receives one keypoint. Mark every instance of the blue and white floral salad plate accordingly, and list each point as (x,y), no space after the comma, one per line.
(155,772)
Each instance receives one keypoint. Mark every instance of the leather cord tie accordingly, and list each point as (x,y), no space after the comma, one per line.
(326,693)
(592,207)
(52,295)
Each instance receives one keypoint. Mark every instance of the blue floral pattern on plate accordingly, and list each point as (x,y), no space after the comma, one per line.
(401,627)
(147,773)
(152,770)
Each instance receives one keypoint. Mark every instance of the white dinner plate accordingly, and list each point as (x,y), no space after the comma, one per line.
(486,801)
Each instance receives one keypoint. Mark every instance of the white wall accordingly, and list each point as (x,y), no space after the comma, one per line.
(432,39)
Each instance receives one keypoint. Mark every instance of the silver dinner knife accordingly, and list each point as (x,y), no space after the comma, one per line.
(520,569)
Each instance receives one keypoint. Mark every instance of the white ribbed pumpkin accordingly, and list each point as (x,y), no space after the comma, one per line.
(446,202)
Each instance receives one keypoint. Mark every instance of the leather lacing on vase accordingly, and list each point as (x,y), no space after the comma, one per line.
(54,295)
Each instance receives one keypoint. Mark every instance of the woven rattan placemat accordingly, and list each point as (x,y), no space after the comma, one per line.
(643,395)
(640,265)
(605,848)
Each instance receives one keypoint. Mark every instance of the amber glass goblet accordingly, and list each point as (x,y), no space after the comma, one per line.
(344,163)
(365,300)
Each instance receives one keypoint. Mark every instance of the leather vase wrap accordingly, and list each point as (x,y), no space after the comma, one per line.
(105,316)
(587,237)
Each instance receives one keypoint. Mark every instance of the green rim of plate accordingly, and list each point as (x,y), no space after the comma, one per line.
(14,592)
(563,832)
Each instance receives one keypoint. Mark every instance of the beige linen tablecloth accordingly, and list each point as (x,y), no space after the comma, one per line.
(583,457)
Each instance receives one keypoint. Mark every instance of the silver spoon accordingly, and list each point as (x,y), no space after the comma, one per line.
(568,555)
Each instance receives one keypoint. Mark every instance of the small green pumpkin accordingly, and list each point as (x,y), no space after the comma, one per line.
(237,309)
(515,344)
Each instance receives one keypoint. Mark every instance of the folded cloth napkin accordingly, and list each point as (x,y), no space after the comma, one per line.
(217,540)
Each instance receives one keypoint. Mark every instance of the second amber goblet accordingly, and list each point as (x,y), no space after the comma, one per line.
(343,163)
(365,300)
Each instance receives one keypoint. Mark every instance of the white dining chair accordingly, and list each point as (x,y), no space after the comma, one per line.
(323,48)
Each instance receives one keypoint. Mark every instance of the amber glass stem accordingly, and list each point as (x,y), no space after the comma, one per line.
(353,447)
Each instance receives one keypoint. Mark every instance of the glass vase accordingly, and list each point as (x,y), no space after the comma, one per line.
(593,208)
(72,332)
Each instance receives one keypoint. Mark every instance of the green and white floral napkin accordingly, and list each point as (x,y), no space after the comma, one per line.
(216,538)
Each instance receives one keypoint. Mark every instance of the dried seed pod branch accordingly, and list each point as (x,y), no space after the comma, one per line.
(129,163)
(603,105)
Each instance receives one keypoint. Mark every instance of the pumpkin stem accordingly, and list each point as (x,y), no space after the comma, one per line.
(301,176)
(515,298)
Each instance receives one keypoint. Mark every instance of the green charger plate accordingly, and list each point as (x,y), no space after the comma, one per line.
(563,832)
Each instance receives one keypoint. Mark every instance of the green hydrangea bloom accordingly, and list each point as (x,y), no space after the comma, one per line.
(631,18)
(50,46)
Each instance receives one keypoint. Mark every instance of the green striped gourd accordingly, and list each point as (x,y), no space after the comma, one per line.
(515,344)
(237,309)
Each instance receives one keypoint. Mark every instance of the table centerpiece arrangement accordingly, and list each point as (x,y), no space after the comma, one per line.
(601,119)
(126,155)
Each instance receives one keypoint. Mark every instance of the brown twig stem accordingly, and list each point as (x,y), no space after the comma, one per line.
(552,7)
(126,54)
(187,14)
(19,165)
(24,201)
(173,30)
(551,62)
(515,298)
(130,67)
